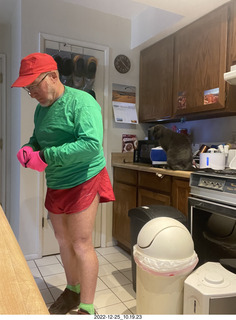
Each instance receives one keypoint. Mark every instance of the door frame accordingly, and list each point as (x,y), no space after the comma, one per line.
(3,125)
(42,38)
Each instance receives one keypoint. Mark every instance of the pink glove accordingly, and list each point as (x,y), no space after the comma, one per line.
(35,162)
(23,155)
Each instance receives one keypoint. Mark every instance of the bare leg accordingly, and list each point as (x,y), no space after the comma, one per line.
(81,226)
(67,252)
(74,235)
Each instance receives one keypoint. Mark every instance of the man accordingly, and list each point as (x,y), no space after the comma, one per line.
(67,144)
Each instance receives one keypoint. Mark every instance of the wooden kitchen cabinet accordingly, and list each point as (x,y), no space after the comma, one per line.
(135,188)
(200,57)
(231,56)
(156,78)
(125,200)
(153,189)
(177,72)
(180,194)
(125,190)
(148,197)
(126,176)
(232,35)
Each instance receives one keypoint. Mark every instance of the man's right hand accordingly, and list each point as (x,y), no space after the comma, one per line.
(23,155)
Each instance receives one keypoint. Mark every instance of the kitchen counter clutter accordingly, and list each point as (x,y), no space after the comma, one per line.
(125,160)
(149,168)
(19,293)
(137,184)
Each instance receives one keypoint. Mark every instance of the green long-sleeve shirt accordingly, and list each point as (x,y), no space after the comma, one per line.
(70,132)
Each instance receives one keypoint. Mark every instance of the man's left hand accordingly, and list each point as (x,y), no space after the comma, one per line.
(36,162)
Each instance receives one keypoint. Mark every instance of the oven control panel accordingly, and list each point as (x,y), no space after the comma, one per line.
(215,184)
(218,188)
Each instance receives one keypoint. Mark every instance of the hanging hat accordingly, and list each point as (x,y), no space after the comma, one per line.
(32,66)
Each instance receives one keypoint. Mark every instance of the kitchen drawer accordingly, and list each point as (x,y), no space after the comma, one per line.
(125,175)
(153,182)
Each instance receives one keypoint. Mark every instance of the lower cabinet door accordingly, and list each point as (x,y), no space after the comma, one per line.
(126,196)
(180,194)
(147,197)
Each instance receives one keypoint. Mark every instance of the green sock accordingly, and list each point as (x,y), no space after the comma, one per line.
(75,288)
(87,307)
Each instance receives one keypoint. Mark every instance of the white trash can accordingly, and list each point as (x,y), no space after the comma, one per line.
(165,256)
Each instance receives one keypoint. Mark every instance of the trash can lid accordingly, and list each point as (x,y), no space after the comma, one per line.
(165,238)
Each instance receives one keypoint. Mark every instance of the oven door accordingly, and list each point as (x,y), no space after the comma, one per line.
(213,229)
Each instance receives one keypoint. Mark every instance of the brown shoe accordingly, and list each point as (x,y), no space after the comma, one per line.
(65,302)
(84,312)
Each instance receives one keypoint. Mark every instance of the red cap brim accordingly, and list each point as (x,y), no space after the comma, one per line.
(32,66)
(24,81)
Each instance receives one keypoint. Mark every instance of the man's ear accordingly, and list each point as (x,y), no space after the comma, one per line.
(54,75)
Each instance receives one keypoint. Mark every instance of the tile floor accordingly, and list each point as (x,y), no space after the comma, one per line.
(114,293)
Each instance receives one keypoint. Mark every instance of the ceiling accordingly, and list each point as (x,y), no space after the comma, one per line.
(152,18)
(132,8)
(149,18)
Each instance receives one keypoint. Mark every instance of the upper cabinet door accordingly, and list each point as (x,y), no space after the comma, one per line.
(156,79)
(231,57)
(200,63)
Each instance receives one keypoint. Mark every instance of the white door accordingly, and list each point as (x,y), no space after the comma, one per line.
(50,245)
(2,131)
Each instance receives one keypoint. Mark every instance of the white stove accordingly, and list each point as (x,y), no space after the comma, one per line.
(217,186)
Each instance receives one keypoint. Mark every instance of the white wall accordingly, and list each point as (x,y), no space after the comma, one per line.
(10,46)
(13,122)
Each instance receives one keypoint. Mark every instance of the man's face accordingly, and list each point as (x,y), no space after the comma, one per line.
(42,89)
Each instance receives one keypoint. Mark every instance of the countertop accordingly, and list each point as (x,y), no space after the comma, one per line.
(19,292)
(125,160)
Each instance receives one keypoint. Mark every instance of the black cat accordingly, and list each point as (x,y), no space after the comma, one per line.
(177,147)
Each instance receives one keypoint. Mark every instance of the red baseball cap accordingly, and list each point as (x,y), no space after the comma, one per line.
(32,66)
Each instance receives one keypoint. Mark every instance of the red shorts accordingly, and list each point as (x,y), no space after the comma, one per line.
(79,198)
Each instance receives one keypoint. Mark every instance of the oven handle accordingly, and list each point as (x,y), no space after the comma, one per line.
(210,206)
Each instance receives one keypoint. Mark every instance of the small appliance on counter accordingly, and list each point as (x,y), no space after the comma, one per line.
(212,159)
(158,157)
(231,159)
(196,154)
(142,153)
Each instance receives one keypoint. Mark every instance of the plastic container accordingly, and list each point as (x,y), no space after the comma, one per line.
(158,156)
(141,215)
(165,256)
(214,161)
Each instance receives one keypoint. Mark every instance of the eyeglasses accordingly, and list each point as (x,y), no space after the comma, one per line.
(35,86)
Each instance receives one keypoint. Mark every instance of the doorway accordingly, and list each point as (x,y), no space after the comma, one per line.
(49,243)
(2,130)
